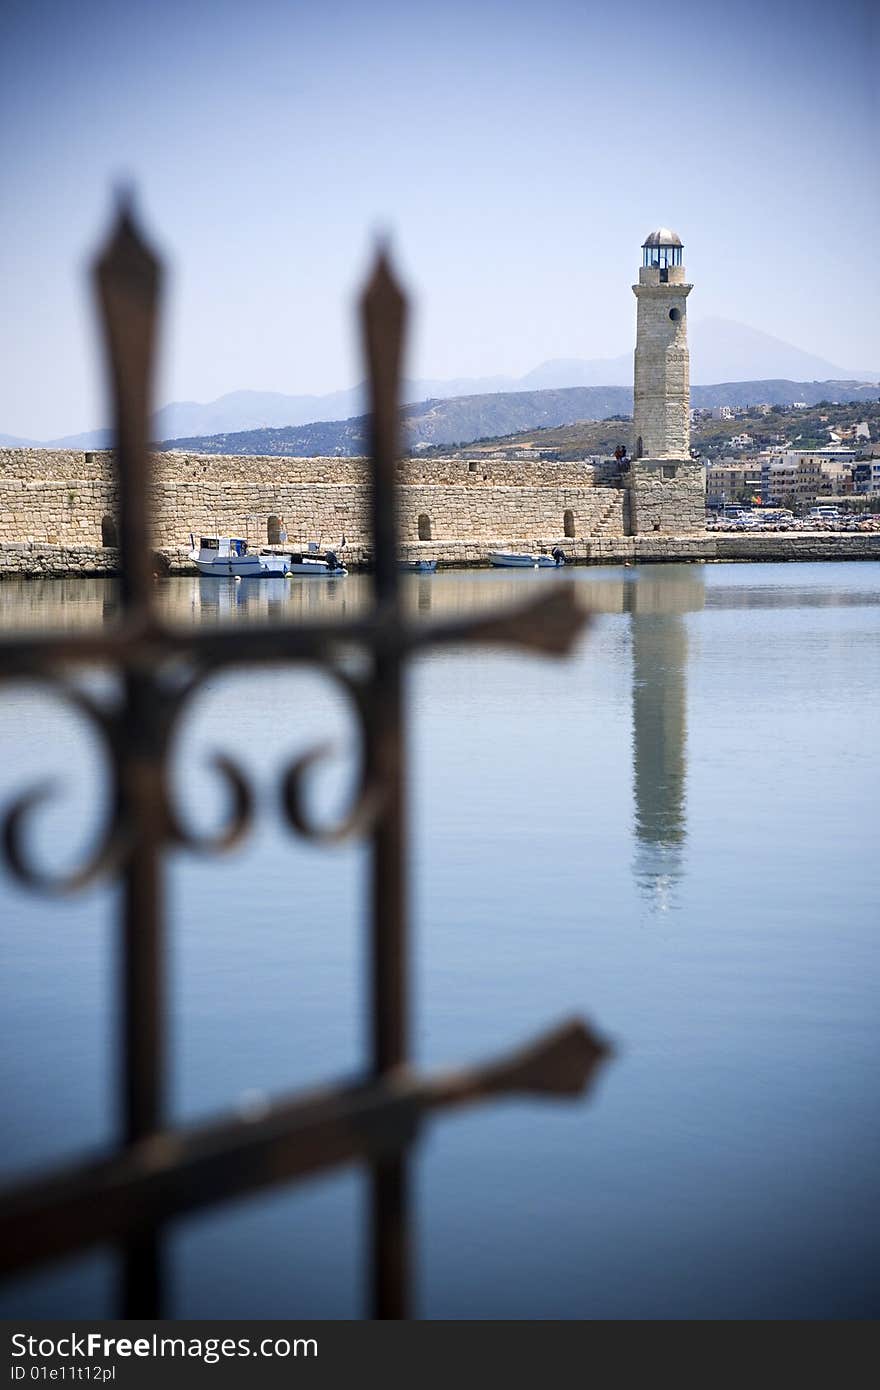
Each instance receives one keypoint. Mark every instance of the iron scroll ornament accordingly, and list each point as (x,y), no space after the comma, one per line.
(157,1173)
(115,837)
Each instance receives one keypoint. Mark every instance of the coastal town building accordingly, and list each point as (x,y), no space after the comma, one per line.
(866,476)
(732,480)
(841,434)
(795,477)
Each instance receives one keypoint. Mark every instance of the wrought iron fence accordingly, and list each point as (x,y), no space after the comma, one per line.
(157,1173)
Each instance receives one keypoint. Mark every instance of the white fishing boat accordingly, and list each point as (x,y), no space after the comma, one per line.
(418,566)
(228,557)
(512,559)
(225,557)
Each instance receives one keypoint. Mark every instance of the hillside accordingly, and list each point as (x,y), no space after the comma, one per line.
(463,419)
(429,422)
(807,429)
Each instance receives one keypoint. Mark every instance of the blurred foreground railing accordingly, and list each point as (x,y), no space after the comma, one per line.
(156,1173)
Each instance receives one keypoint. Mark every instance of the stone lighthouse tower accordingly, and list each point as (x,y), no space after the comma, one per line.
(667,488)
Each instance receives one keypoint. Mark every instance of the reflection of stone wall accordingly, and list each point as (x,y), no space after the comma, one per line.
(75,602)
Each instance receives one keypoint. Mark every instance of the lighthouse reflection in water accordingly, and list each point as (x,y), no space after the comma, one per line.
(657,608)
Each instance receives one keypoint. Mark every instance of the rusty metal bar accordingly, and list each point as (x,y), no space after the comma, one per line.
(187,1170)
(390,1016)
(383,318)
(128,278)
(143,962)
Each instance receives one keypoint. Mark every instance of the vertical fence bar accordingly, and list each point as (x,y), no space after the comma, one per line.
(384,313)
(142,975)
(127,277)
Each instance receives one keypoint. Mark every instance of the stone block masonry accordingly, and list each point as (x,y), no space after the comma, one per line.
(668,496)
(61,505)
(67,498)
(661,383)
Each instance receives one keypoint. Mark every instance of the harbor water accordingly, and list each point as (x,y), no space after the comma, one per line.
(670,833)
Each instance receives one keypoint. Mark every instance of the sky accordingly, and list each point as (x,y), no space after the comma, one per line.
(515,155)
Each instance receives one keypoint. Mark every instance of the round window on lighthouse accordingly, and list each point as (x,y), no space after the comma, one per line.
(675,315)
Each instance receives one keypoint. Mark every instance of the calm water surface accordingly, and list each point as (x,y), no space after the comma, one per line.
(673,833)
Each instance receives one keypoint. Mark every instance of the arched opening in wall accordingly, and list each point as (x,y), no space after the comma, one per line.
(109,534)
(568,524)
(640,448)
(675,315)
(273,530)
(424,527)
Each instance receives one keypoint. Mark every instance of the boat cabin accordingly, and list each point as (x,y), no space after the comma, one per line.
(223,545)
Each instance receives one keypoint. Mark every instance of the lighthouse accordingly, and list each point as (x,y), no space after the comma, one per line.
(661,388)
(667,487)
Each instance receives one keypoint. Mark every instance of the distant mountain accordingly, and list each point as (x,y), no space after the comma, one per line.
(90,439)
(241,411)
(743,393)
(562,372)
(464,419)
(721,351)
(454,421)
(12,441)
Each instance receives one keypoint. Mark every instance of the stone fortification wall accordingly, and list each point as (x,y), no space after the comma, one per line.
(72,465)
(69,498)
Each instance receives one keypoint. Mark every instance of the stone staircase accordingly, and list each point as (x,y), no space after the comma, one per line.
(610,519)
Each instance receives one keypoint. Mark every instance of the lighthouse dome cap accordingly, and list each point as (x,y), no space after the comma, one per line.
(662,237)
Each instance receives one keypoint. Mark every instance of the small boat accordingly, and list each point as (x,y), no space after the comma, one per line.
(418,566)
(274,566)
(512,559)
(225,557)
(310,566)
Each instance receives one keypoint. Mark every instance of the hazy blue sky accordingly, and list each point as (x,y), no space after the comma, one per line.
(517,154)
